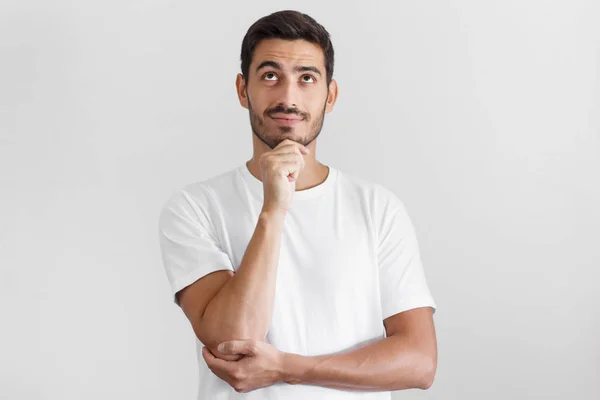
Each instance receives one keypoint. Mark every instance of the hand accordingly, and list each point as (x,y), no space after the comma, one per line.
(261,366)
(279,167)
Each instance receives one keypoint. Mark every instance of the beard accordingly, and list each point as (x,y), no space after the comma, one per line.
(272,137)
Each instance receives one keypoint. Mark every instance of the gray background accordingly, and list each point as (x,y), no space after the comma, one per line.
(483,117)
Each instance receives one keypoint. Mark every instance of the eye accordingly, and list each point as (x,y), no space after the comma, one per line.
(271,74)
(308,76)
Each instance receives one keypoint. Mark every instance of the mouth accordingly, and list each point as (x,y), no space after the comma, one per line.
(286,120)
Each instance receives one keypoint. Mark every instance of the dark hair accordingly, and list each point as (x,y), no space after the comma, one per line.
(289,25)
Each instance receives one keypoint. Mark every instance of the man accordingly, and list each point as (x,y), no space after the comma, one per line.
(299,281)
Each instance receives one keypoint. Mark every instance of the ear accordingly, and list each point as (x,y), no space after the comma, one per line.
(241,87)
(331,95)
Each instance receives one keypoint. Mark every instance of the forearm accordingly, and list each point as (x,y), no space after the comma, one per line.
(244,305)
(392,363)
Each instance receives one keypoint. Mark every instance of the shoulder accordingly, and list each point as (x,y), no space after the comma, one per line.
(374,193)
(201,195)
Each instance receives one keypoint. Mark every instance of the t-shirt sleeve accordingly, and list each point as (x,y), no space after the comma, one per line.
(188,244)
(401,276)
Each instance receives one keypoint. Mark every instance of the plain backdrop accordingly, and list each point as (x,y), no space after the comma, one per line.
(482,116)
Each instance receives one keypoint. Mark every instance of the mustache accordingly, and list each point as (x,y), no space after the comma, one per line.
(289,110)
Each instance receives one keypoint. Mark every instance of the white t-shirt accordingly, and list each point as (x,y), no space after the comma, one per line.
(348,259)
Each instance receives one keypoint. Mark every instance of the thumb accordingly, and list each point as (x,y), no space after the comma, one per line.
(236,347)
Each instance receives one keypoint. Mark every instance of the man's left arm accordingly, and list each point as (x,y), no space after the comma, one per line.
(405,359)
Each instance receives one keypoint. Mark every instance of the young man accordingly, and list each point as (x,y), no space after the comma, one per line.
(309,277)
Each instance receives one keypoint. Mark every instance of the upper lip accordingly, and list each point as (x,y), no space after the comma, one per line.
(286,116)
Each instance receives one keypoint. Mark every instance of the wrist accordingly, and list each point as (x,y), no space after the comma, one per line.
(272,215)
(295,368)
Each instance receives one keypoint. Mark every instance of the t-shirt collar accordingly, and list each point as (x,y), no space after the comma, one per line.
(256,185)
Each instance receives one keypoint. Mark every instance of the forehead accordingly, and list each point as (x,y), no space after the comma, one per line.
(290,52)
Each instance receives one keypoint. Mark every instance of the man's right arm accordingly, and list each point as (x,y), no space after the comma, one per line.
(224,305)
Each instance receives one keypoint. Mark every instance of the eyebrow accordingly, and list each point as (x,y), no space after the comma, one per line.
(298,68)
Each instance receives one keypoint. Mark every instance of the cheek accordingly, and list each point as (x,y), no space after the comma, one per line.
(258,102)
(315,101)
(317,108)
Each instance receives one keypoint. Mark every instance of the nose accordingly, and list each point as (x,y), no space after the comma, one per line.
(288,95)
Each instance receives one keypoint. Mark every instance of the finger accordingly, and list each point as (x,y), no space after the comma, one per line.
(302,149)
(237,347)
(221,373)
(291,157)
(288,143)
(291,169)
(208,356)
(215,362)
(288,150)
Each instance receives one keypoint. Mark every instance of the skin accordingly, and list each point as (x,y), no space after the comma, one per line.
(407,356)
(271,90)
(405,359)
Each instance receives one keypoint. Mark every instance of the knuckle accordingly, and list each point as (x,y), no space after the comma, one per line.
(253,346)
(238,376)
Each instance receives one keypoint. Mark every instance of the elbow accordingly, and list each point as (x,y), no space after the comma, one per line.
(422,374)
(214,340)
(217,329)
(213,335)
(428,369)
